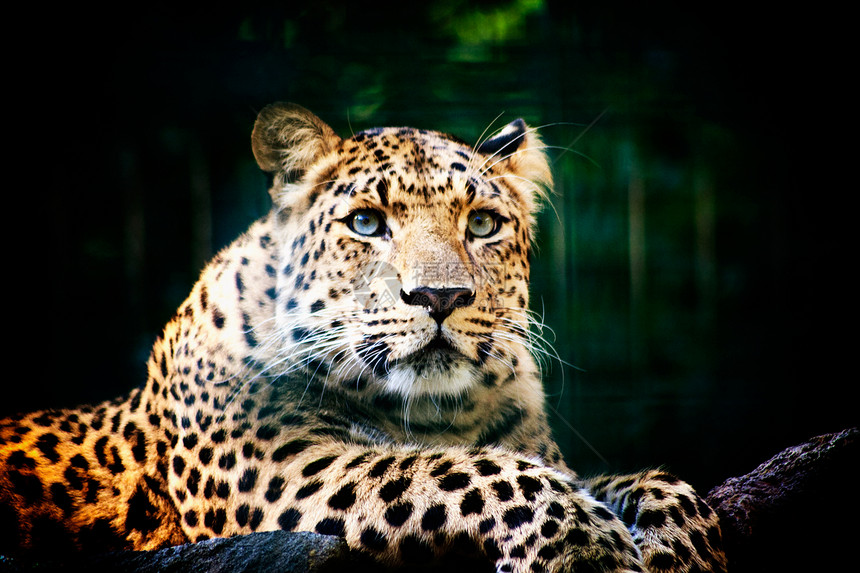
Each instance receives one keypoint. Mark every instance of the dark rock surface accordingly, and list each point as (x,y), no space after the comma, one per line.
(796,511)
(270,551)
(789,514)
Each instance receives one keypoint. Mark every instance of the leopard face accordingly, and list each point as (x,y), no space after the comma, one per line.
(405,260)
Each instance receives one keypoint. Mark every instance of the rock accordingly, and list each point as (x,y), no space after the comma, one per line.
(794,512)
(258,552)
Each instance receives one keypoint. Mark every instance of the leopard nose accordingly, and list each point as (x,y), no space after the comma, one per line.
(440,301)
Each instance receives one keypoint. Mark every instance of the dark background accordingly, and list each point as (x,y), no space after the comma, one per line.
(696,265)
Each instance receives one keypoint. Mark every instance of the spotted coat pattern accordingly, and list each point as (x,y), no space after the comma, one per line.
(358,363)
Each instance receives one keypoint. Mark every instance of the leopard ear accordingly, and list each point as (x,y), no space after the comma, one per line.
(519,149)
(506,141)
(287,138)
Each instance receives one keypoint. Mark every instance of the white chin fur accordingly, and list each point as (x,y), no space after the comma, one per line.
(452,380)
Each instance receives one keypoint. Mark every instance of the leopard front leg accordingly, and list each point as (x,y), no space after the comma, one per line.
(673,527)
(411,505)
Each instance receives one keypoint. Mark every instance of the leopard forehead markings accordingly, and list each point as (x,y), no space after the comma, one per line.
(358,363)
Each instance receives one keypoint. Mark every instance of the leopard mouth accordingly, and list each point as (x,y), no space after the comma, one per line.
(439,352)
(437,368)
(439,343)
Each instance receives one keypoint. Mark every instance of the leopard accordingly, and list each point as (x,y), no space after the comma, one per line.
(362,363)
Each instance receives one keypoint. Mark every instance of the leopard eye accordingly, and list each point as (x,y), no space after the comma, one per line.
(482,223)
(366,222)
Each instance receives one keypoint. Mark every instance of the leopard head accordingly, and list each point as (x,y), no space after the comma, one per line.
(404,264)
